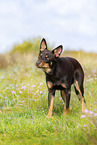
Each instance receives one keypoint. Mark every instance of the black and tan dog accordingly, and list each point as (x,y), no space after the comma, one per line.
(61,73)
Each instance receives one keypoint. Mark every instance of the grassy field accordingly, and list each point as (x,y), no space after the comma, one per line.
(23,106)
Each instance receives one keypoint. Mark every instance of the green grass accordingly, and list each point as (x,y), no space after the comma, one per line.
(23,108)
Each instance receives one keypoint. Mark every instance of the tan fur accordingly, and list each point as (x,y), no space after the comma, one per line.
(47,70)
(63,85)
(50,84)
(51,63)
(63,95)
(65,111)
(83,103)
(51,108)
(45,67)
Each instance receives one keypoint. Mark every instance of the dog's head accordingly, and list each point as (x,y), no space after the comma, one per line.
(47,59)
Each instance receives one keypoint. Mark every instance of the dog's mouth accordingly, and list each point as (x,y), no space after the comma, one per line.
(38,64)
(44,66)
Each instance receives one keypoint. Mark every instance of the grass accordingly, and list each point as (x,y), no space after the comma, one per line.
(23,107)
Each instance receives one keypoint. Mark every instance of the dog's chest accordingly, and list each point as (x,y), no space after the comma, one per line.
(56,83)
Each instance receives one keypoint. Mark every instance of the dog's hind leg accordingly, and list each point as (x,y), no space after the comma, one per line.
(77,93)
(80,93)
(79,89)
(66,98)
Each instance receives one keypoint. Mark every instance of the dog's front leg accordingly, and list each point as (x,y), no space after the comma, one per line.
(51,96)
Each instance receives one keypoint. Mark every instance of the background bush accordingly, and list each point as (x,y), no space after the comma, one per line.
(27,46)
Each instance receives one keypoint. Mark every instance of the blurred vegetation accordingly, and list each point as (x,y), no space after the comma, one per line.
(7,60)
(3,61)
(27,46)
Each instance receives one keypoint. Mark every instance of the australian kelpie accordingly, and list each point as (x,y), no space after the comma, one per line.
(61,73)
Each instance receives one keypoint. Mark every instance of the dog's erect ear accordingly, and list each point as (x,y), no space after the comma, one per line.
(57,51)
(43,45)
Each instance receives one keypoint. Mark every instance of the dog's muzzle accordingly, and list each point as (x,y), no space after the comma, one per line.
(39,64)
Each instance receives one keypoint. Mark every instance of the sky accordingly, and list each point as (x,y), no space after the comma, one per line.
(71,23)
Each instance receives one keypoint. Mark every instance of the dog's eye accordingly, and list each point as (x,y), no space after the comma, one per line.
(47,57)
(40,55)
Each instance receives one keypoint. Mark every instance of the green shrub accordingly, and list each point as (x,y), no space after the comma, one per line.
(27,46)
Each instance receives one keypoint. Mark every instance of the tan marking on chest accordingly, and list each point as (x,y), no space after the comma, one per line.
(50,84)
(63,85)
(47,70)
(51,63)
(46,67)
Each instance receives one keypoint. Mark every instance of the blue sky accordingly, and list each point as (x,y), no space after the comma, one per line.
(72,23)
